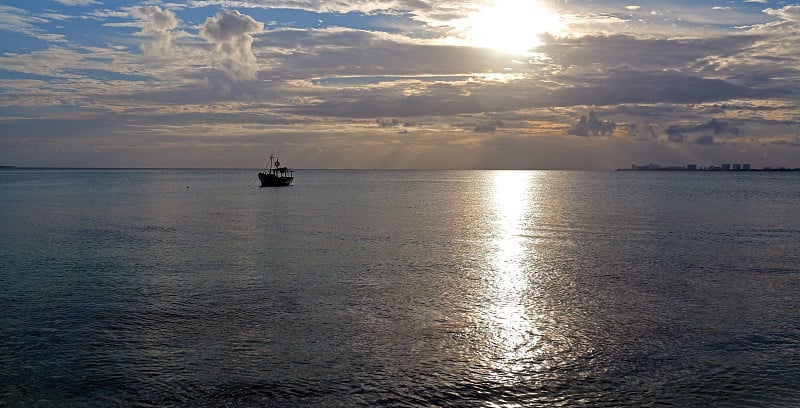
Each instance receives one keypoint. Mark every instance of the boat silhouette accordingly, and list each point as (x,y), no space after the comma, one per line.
(275,175)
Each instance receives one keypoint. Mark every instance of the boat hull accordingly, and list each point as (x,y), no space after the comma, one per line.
(271,180)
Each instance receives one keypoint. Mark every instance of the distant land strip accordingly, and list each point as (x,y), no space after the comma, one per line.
(743,167)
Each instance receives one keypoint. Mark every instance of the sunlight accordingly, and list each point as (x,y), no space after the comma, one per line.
(514,335)
(510,26)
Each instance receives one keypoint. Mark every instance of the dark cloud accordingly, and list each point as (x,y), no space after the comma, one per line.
(625,86)
(641,53)
(453,98)
(641,131)
(487,127)
(385,123)
(713,125)
(705,140)
(677,138)
(592,126)
(795,142)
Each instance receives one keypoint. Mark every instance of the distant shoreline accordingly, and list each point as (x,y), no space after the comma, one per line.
(715,170)
(718,170)
(725,167)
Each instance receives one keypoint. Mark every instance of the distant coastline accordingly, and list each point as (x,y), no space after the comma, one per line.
(727,167)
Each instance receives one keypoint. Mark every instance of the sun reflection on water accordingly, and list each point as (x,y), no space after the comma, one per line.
(512,333)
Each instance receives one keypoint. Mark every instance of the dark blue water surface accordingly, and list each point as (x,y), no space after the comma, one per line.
(399,288)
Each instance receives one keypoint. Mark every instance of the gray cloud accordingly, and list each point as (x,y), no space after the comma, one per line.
(450,98)
(677,137)
(321,79)
(348,52)
(623,86)
(641,131)
(230,33)
(487,127)
(794,142)
(641,53)
(386,123)
(704,140)
(713,125)
(592,126)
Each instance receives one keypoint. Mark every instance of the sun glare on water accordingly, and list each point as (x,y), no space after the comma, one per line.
(510,26)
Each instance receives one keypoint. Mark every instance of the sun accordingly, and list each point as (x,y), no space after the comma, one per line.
(510,26)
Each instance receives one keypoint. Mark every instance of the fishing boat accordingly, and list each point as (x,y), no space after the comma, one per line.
(275,175)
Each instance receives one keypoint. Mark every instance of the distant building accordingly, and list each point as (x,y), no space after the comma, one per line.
(736,167)
(651,166)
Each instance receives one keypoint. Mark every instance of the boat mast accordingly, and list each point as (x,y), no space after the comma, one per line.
(269,164)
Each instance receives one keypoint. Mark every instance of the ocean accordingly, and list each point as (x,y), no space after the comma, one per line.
(198,288)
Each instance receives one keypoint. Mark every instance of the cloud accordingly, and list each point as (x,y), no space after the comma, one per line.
(77,2)
(641,131)
(487,127)
(230,33)
(705,140)
(641,53)
(156,24)
(18,20)
(386,123)
(678,133)
(788,13)
(713,125)
(330,82)
(592,126)
(676,138)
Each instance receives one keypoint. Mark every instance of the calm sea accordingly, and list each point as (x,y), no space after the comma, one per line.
(399,288)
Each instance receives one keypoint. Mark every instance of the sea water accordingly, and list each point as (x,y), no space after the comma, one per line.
(399,288)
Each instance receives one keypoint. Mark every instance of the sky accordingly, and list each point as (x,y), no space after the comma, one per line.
(398,84)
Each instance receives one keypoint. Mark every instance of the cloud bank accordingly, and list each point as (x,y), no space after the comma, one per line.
(396,84)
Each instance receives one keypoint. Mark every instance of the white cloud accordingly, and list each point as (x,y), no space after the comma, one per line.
(18,20)
(788,13)
(158,25)
(230,33)
(77,2)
